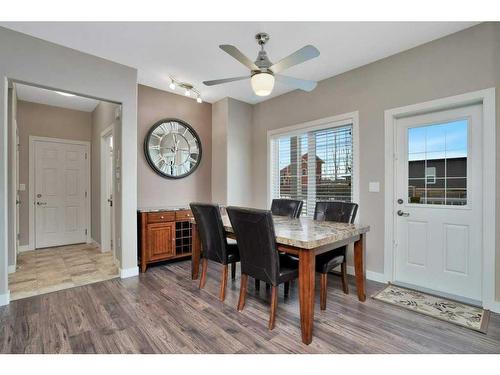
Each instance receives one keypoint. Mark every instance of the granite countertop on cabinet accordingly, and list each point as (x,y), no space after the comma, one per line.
(163,208)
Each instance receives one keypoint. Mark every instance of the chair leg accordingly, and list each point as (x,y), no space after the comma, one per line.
(223,284)
(274,304)
(233,271)
(257,284)
(322,292)
(203,279)
(243,292)
(287,288)
(343,269)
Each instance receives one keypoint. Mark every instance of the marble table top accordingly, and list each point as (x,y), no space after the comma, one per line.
(307,233)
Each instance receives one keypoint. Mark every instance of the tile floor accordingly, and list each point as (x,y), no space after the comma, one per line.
(48,270)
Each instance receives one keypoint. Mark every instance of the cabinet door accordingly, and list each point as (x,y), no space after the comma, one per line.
(160,241)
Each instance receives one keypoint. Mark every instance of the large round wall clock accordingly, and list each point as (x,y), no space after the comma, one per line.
(172,148)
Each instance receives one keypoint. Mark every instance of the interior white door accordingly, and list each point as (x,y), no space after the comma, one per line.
(107,234)
(60,193)
(439,202)
(18,197)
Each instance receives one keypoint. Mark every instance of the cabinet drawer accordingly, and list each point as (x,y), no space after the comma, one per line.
(160,217)
(183,215)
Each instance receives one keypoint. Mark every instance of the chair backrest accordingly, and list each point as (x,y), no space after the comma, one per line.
(211,231)
(254,230)
(286,207)
(343,212)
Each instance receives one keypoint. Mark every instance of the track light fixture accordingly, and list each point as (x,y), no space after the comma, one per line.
(189,89)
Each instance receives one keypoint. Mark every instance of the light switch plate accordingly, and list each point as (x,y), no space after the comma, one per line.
(374,187)
(22,187)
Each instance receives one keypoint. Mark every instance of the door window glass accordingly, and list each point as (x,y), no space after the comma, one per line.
(437,163)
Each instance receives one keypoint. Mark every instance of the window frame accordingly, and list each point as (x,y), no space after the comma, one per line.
(351,118)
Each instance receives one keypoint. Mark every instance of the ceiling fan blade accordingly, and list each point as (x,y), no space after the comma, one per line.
(238,55)
(305,53)
(302,84)
(225,80)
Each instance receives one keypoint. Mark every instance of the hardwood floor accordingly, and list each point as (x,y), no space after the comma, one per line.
(56,268)
(163,311)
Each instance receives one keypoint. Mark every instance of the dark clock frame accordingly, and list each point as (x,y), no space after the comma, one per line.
(146,149)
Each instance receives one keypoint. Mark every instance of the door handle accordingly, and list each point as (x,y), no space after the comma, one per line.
(401,213)
(41,203)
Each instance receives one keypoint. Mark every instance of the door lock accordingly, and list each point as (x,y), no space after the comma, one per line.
(401,213)
(400,201)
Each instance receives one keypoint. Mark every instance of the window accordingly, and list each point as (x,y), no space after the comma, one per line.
(437,163)
(313,165)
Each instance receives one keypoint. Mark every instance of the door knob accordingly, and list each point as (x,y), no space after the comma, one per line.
(401,213)
(41,203)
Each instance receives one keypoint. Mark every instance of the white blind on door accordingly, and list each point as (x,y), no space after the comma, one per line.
(313,166)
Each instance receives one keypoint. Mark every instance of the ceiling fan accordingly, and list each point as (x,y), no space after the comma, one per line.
(263,72)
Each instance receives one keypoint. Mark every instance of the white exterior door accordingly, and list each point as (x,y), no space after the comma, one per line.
(61,185)
(439,202)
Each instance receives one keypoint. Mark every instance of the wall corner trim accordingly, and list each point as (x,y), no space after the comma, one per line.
(129,272)
(12,268)
(5,298)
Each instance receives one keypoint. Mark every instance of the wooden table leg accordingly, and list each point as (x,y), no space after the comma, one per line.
(307,259)
(359,266)
(195,251)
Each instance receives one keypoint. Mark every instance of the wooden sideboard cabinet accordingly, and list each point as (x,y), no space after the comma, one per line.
(163,235)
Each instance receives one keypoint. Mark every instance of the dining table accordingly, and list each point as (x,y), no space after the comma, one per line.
(305,238)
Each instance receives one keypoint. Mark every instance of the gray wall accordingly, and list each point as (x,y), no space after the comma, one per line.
(102,117)
(152,189)
(32,60)
(220,118)
(459,63)
(42,120)
(239,153)
(232,152)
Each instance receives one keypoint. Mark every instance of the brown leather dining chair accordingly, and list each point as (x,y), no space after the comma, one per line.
(344,212)
(290,208)
(254,230)
(287,207)
(214,243)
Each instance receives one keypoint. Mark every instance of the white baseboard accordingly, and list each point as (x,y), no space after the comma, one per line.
(5,299)
(25,248)
(370,275)
(493,306)
(11,269)
(129,272)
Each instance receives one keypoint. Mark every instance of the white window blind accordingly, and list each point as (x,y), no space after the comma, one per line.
(313,166)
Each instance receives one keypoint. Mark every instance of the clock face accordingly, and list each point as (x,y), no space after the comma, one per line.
(172,148)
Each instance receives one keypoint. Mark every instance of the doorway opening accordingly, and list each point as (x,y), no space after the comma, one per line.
(55,155)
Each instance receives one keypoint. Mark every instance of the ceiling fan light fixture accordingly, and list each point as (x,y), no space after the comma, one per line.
(262,83)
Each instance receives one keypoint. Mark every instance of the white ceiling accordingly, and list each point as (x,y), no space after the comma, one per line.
(189,51)
(49,97)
